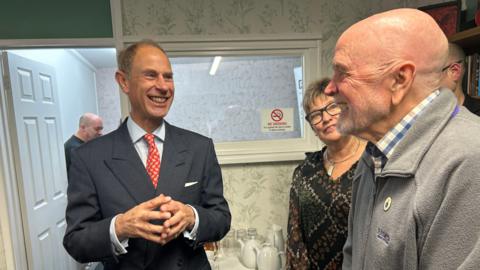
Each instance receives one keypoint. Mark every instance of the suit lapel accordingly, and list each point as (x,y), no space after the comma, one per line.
(128,168)
(175,161)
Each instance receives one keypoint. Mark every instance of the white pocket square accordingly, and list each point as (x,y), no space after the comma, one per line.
(190,183)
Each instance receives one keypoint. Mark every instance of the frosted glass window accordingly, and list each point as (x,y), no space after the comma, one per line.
(230,105)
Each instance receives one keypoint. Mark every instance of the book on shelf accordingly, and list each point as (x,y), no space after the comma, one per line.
(473,75)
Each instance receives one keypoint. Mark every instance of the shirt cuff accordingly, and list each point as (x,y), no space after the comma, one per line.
(192,235)
(117,246)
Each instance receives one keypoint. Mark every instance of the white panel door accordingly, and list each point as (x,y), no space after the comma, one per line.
(39,160)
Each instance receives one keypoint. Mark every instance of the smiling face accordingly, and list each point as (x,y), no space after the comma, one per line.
(382,78)
(149,86)
(326,129)
(362,95)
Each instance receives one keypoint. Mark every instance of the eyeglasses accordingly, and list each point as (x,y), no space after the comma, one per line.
(449,65)
(316,117)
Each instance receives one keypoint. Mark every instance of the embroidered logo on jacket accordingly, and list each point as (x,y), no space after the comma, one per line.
(383,236)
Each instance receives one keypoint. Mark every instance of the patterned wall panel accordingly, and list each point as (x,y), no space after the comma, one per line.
(258,194)
(246,17)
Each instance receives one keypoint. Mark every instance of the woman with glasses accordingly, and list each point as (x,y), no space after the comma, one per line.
(321,190)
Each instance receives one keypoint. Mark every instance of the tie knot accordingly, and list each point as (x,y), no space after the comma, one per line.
(150,138)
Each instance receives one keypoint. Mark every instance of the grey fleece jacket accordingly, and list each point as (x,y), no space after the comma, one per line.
(423,211)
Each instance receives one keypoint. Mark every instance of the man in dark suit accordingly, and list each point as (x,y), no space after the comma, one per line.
(127,210)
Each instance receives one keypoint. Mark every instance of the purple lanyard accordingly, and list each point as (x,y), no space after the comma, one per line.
(455,112)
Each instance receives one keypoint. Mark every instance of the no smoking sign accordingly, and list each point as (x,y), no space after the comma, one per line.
(276,115)
(277,120)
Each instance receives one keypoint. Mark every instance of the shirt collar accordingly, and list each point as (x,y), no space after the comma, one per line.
(378,157)
(391,139)
(137,133)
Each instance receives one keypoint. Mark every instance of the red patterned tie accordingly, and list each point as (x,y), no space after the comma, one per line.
(153,159)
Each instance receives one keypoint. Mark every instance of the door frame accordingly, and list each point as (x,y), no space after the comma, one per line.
(11,225)
(10,210)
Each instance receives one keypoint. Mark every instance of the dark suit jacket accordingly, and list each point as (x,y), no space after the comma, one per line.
(107,177)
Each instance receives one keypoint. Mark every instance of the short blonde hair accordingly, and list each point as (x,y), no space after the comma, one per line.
(314,90)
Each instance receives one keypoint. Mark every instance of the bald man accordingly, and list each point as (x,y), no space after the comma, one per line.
(453,74)
(415,193)
(90,126)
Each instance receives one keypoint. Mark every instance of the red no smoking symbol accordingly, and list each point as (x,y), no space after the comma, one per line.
(276,115)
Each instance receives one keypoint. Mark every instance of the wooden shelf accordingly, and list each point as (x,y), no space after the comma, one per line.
(469,39)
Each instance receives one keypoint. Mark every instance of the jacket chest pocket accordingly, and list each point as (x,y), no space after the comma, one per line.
(191,192)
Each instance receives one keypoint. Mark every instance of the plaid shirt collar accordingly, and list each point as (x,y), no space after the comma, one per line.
(383,149)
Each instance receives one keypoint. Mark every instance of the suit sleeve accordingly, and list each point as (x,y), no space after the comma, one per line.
(87,235)
(213,210)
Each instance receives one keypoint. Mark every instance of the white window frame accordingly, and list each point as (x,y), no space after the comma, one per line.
(261,150)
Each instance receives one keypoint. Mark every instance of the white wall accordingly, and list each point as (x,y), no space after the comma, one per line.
(75,83)
(108,99)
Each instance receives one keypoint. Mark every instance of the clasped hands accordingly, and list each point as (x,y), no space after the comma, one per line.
(136,222)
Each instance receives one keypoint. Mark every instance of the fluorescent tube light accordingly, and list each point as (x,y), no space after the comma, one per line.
(216,62)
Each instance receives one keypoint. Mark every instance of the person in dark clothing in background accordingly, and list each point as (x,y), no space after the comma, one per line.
(90,126)
(453,74)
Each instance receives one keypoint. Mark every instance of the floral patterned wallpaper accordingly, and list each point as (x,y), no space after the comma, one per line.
(253,17)
(257,193)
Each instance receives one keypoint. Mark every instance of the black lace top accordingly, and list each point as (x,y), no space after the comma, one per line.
(318,217)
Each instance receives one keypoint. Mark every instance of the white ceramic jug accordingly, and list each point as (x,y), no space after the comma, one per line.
(248,252)
(275,237)
(268,258)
